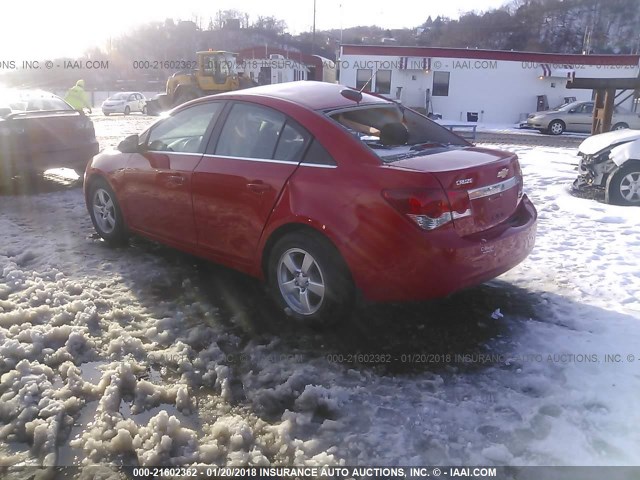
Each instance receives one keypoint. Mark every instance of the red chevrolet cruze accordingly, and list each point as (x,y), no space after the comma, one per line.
(320,190)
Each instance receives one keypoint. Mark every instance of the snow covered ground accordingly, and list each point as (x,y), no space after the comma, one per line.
(143,355)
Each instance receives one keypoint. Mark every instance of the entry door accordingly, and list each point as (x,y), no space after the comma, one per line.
(239,180)
(158,181)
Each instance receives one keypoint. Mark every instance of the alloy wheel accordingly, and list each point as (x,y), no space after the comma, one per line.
(630,187)
(104,210)
(301,281)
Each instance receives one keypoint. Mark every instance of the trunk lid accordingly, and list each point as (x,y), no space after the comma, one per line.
(51,131)
(491,179)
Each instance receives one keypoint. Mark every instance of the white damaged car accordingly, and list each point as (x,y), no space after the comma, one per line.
(612,160)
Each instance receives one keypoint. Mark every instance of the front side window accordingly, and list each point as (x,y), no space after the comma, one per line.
(250,131)
(440,84)
(586,108)
(383,81)
(185,131)
(363,79)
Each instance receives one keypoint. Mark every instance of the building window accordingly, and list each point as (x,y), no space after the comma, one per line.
(363,78)
(383,81)
(440,84)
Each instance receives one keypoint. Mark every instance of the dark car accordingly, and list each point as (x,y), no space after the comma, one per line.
(39,131)
(320,190)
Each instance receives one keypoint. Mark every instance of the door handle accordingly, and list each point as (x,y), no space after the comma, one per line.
(176,179)
(258,187)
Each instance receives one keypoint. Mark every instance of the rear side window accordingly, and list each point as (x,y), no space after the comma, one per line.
(291,143)
(250,131)
(318,155)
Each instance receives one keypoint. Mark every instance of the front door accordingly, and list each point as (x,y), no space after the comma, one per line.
(580,120)
(157,181)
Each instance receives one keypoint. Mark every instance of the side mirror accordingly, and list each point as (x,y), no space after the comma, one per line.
(130,144)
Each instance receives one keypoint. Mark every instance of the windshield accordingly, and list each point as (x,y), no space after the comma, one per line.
(393,132)
(119,96)
(563,106)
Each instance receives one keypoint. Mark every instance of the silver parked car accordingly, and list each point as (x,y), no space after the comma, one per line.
(125,102)
(577,117)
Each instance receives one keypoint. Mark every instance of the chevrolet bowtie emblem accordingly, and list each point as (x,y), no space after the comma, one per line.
(503,173)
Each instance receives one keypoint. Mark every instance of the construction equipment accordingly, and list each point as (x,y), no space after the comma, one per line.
(216,73)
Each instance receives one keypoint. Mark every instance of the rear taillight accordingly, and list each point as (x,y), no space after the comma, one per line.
(519,179)
(429,208)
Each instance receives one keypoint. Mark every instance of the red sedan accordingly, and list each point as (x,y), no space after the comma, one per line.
(320,190)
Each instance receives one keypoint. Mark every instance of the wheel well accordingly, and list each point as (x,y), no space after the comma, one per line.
(632,162)
(559,121)
(626,125)
(89,184)
(285,230)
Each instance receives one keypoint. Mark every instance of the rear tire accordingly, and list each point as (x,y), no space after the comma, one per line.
(556,127)
(623,186)
(127,110)
(620,126)
(308,278)
(105,213)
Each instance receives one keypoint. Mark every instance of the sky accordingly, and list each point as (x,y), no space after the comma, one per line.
(36,30)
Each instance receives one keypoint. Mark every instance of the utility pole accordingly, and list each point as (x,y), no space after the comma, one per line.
(313,35)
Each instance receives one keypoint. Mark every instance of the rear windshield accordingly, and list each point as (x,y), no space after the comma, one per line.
(19,102)
(394,132)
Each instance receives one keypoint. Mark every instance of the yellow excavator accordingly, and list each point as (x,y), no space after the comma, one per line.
(216,73)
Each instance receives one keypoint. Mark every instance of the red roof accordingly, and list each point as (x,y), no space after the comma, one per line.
(558,58)
(313,95)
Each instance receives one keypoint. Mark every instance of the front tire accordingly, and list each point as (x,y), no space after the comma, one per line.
(127,110)
(623,187)
(620,126)
(556,127)
(309,280)
(105,213)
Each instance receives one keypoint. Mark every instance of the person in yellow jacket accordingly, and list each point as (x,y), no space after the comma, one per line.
(77,97)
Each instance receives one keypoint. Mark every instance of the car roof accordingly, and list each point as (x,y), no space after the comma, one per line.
(25,93)
(311,94)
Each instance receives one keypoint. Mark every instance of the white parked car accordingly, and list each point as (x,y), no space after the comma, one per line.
(125,102)
(612,160)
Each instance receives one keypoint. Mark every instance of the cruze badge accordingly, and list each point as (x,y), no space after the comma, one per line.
(503,173)
(464,181)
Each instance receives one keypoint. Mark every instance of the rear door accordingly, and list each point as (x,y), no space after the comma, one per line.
(241,176)
(157,186)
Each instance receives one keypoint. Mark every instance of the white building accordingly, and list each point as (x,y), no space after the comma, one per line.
(491,86)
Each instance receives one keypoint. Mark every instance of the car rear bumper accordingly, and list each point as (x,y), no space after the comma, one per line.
(110,110)
(75,157)
(425,270)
